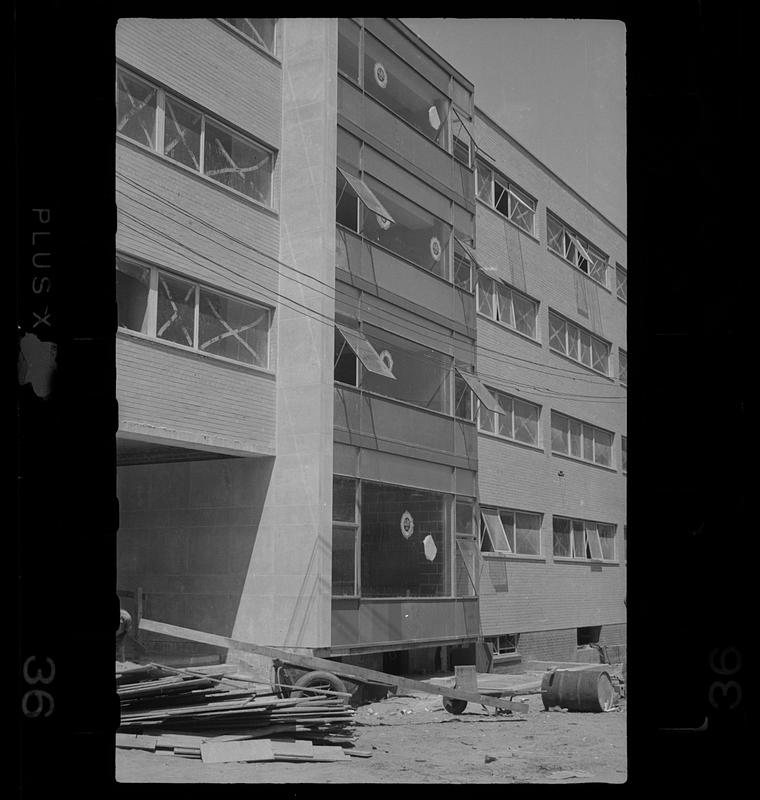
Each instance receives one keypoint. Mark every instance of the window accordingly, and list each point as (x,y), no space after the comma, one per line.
(348,48)
(586,636)
(502,645)
(506,198)
(506,305)
(414,233)
(563,241)
(392,82)
(574,438)
(462,398)
(422,375)
(621,277)
(163,306)
(460,139)
(583,539)
(344,537)
(512,532)
(517,419)
(351,348)
(578,344)
(465,556)
(395,561)
(624,453)
(191,137)
(259,31)
(623,367)
(462,267)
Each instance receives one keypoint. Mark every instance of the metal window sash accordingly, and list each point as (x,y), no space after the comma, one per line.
(366,195)
(365,352)
(493,523)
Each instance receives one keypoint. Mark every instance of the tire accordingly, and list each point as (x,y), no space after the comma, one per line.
(454,705)
(317,680)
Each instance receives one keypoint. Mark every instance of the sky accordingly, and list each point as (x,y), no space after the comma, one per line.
(556,85)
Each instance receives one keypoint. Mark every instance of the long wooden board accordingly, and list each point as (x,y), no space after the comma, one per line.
(360,674)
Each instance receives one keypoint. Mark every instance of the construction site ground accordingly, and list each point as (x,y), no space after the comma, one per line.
(413,739)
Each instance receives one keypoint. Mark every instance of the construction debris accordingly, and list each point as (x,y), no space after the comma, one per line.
(213,718)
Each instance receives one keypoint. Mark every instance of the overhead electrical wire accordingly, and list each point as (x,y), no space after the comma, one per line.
(275,296)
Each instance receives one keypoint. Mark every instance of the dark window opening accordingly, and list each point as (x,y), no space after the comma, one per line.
(345,362)
(589,635)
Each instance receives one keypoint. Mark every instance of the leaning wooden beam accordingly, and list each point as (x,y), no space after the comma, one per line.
(360,674)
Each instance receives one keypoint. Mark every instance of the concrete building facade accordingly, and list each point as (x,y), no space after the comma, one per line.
(327,311)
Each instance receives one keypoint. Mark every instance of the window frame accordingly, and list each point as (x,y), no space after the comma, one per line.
(582,335)
(623,367)
(160,136)
(622,296)
(498,648)
(584,427)
(589,544)
(356,527)
(580,247)
(494,307)
(498,514)
(515,195)
(499,396)
(151,314)
(250,40)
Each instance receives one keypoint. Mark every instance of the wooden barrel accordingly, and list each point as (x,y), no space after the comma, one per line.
(578,689)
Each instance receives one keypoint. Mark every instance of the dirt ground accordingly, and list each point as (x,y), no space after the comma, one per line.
(414,740)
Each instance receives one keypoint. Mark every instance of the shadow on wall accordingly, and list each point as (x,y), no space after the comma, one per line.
(496,571)
(186,535)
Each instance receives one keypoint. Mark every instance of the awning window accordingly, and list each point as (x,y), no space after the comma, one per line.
(490,271)
(485,397)
(365,352)
(366,195)
(495,531)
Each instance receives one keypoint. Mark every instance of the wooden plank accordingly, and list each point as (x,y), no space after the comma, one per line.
(135,741)
(360,674)
(329,753)
(301,748)
(248,750)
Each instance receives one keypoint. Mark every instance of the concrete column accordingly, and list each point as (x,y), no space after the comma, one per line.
(286,600)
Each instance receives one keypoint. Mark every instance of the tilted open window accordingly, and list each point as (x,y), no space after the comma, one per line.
(360,190)
(360,346)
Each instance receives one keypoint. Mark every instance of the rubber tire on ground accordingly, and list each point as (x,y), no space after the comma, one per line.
(324,680)
(453,705)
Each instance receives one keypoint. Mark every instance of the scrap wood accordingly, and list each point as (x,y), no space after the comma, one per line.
(248,750)
(360,674)
(131,741)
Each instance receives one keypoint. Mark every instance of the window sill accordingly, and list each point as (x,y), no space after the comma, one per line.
(536,447)
(193,352)
(522,335)
(584,462)
(582,365)
(246,40)
(600,561)
(513,557)
(498,213)
(199,175)
(580,271)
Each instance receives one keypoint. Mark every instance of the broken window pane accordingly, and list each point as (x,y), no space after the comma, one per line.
(345,362)
(500,197)
(182,134)
(136,109)
(343,561)
(526,312)
(344,499)
(260,31)
(422,374)
(347,204)
(396,85)
(465,568)
(462,268)
(561,537)
(559,433)
(463,398)
(348,48)
(393,565)
(526,421)
(598,269)
(623,367)
(505,418)
(416,234)
(176,310)
(237,163)
(621,277)
(484,179)
(555,235)
(132,288)
(557,333)
(527,534)
(579,539)
(233,329)
(485,296)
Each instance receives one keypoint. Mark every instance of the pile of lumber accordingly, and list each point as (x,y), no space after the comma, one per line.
(218,719)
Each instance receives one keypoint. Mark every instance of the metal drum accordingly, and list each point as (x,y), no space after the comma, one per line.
(578,689)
